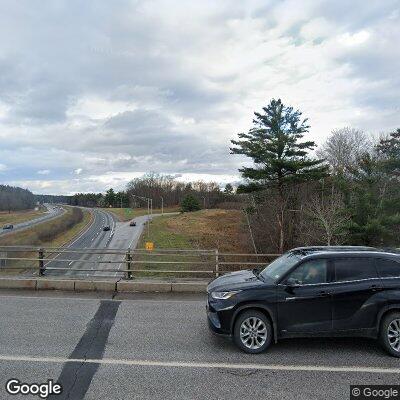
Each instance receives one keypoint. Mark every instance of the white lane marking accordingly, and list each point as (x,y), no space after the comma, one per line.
(73,242)
(98,299)
(206,365)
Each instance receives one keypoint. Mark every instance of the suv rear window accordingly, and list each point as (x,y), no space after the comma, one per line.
(388,268)
(350,269)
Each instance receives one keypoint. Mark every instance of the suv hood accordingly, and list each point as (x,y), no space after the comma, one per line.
(235,281)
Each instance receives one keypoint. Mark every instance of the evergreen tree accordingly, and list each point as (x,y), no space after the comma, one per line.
(280,157)
(190,203)
(110,198)
(389,150)
(373,203)
(228,189)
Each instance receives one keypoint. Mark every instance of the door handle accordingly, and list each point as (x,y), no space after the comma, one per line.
(324,293)
(375,288)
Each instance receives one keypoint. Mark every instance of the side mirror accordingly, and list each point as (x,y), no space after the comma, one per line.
(292,282)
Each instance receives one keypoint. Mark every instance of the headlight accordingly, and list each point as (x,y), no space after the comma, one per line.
(223,295)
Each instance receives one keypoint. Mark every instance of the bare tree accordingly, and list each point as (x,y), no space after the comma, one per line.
(343,147)
(328,217)
(15,198)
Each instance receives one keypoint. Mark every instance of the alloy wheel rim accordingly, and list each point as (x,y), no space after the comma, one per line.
(253,333)
(393,334)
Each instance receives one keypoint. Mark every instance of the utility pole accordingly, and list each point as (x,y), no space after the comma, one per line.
(162,205)
(149,202)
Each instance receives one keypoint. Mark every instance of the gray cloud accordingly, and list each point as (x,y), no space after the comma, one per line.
(114,89)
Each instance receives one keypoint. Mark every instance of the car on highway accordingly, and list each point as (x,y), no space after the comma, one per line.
(132,223)
(8,226)
(311,291)
(106,228)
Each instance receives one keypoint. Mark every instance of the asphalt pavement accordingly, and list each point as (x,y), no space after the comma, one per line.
(51,213)
(94,237)
(120,237)
(159,347)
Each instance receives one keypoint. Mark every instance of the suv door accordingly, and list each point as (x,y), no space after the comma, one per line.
(304,301)
(356,293)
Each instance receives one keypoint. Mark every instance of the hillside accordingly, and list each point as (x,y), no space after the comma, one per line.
(205,229)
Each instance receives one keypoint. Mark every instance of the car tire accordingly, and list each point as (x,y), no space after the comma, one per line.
(390,327)
(252,332)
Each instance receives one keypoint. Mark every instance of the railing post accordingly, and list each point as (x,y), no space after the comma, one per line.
(41,262)
(216,263)
(128,259)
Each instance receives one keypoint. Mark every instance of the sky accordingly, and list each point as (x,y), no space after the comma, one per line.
(95,93)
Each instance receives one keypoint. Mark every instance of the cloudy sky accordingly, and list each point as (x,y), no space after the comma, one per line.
(93,93)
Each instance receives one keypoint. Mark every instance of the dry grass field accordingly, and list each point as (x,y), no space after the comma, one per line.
(16,217)
(53,233)
(126,214)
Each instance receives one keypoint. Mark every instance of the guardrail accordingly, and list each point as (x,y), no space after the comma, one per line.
(127,263)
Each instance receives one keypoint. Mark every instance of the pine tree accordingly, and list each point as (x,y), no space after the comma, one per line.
(373,204)
(110,197)
(190,203)
(280,157)
(389,150)
(228,189)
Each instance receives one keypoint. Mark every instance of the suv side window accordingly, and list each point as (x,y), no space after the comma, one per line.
(311,272)
(352,269)
(388,268)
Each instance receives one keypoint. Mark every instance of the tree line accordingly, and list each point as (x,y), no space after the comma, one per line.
(164,190)
(346,192)
(15,199)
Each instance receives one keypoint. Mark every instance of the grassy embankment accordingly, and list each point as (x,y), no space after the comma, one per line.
(224,230)
(16,217)
(126,214)
(53,233)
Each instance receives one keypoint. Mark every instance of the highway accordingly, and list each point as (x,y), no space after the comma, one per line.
(52,212)
(159,347)
(120,236)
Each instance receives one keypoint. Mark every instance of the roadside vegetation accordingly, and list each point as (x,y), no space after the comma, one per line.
(126,214)
(55,233)
(15,198)
(348,193)
(16,217)
(207,230)
(224,230)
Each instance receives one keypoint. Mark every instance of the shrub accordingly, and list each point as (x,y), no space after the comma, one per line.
(190,203)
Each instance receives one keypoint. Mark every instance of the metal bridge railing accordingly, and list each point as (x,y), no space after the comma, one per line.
(129,263)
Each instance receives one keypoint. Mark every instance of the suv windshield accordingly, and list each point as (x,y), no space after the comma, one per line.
(280,266)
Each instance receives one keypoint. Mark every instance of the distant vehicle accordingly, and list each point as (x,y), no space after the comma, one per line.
(8,226)
(132,223)
(311,291)
(106,228)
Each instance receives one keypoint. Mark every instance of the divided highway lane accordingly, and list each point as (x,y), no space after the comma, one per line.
(152,347)
(93,237)
(52,212)
(124,237)
(121,236)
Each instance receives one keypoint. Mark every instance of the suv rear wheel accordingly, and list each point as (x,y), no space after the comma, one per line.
(252,332)
(390,333)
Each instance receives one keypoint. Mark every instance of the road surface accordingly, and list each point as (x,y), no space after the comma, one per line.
(158,347)
(52,212)
(121,236)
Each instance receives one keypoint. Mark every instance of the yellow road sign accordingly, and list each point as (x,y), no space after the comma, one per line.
(149,246)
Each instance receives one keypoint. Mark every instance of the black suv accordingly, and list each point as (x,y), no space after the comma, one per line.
(311,291)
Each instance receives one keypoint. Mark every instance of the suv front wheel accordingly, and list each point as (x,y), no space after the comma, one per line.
(390,334)
(252,332)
